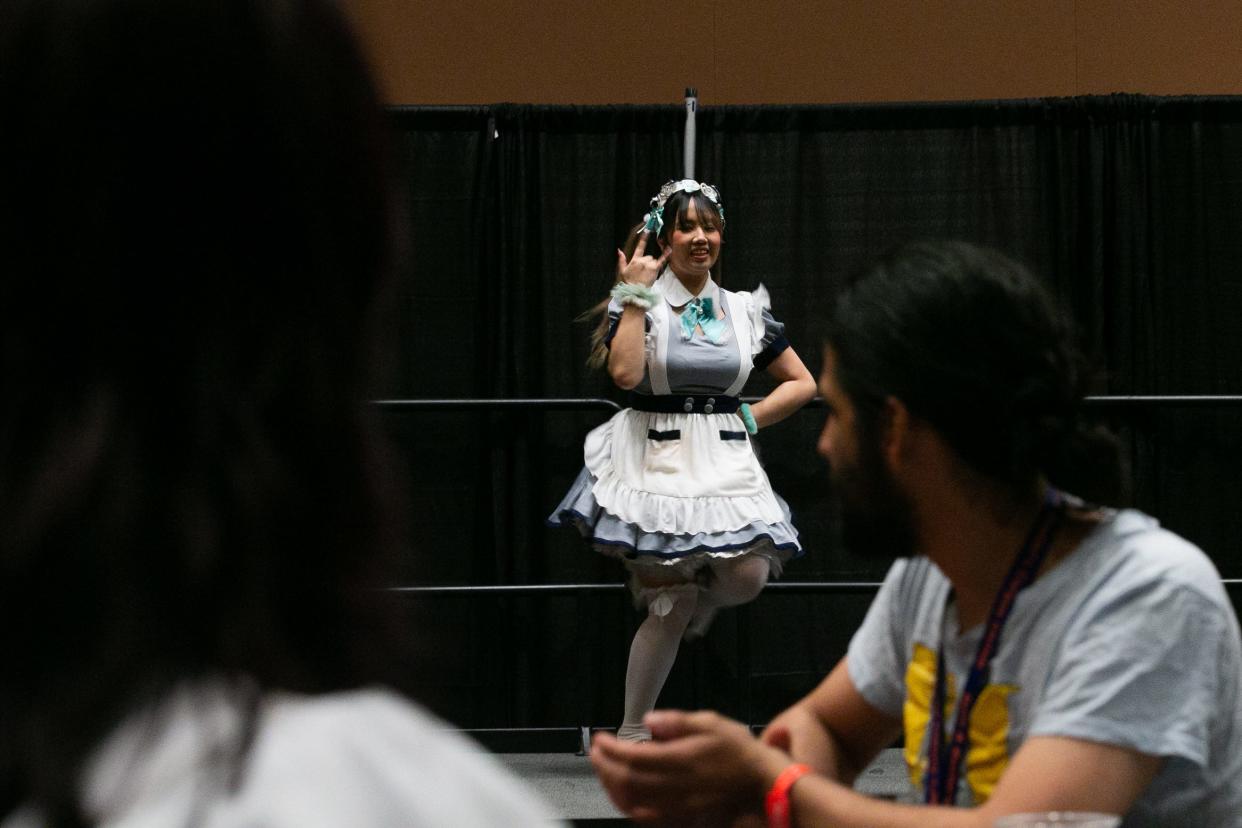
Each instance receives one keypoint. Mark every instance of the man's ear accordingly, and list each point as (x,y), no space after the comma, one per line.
(897,432)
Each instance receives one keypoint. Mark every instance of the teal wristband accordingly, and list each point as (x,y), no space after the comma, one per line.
(743,411)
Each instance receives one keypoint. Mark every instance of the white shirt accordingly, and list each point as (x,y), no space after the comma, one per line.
(360,759)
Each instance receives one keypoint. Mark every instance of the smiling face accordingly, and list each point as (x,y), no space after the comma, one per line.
(695,239)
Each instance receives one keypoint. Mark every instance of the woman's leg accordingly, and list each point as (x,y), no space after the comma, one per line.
(734,581)
(670,605)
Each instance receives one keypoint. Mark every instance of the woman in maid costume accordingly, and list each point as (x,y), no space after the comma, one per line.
(672,485)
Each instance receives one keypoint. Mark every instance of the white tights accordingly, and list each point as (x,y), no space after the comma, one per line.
(671,611)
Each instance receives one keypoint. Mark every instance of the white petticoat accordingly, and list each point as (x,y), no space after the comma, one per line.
(650,497)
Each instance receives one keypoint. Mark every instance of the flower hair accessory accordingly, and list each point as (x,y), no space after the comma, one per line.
(653,219)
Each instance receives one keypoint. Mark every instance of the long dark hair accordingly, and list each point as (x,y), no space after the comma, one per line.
(197,242)
(971,341)
(675,209)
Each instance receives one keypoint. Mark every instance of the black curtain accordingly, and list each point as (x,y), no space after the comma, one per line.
(1130,206)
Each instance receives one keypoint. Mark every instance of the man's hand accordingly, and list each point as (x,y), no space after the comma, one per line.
(702,769)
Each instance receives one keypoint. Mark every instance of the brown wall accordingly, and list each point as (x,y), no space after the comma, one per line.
(785,51)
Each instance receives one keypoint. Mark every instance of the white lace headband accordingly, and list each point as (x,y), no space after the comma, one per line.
(653,220)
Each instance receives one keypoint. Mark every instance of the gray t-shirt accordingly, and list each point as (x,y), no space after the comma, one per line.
(1129,641)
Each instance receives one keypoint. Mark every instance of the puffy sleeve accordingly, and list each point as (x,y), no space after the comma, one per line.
(768,340)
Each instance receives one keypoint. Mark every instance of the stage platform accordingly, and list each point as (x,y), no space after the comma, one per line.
(567,783)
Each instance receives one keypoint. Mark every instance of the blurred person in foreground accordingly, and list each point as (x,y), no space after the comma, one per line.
(1036,652)
(197,244)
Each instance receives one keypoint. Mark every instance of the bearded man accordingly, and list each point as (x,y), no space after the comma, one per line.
(1034,652)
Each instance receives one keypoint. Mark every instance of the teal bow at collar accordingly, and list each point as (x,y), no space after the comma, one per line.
(700,313)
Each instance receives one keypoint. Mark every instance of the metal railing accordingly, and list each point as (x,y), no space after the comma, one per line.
(1164,401)
(1122,402)
(557,404)
(849,587)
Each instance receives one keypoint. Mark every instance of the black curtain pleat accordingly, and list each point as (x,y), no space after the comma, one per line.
(1130,206)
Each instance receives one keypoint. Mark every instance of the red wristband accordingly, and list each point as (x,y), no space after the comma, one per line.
(777,802)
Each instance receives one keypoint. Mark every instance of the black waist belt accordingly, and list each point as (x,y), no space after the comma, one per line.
(685,403)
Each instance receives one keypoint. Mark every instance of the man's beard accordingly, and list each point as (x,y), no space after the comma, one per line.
(877,521)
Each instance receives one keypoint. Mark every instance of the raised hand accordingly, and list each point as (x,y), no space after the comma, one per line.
(641,269)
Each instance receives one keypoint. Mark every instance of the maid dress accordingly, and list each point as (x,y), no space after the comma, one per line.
(673,481)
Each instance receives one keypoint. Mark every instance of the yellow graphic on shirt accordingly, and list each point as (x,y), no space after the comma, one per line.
(987,755)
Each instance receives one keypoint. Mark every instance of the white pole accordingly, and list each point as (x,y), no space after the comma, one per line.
(692,106)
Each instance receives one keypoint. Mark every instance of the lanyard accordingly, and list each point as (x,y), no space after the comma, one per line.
(944,760)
